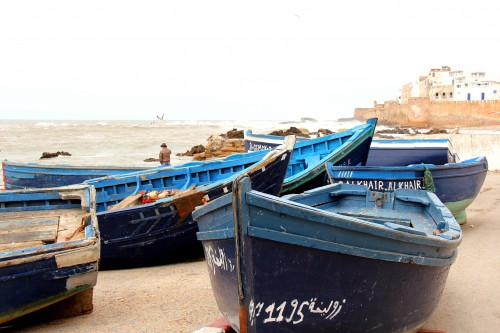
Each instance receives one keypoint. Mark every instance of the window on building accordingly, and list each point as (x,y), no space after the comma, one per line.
(451,94)
(444,95)
(459,86)
(437,95)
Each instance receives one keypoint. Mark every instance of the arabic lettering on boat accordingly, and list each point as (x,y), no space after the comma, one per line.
(294,311)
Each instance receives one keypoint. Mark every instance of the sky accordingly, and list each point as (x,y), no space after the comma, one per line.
(211,60)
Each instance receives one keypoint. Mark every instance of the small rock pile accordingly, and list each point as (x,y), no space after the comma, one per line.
(52,155)
(218,146)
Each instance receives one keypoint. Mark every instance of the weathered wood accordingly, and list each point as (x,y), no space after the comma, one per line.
(19,246)
(28,230)
(131,200)
(187,201)
(32,230)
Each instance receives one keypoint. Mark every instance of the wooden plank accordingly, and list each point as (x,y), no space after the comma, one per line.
(19,246)
(29,230)
(27,223)
(131,200)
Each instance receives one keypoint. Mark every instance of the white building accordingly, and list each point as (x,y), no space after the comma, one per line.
(443,84)
(475,87)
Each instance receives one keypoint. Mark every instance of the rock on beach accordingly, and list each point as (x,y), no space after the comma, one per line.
(52,155)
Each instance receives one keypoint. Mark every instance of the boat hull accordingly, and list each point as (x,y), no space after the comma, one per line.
(132,239)
(35,175)
(159,232)
(31,286)
(456,184)
(393,152)
(289,295)
(50,249)
(387,152)
(284,267)
(360,287)
(220,255)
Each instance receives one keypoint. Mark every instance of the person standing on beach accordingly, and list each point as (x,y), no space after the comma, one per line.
(165,155)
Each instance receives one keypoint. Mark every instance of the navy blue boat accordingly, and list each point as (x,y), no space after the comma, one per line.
(456,184)
(164,230)
(339,258)
(49,249)
(36,175)
(390,152)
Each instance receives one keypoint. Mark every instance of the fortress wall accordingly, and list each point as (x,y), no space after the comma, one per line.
(422,112)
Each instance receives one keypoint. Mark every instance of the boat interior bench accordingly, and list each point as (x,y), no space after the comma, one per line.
(22,230)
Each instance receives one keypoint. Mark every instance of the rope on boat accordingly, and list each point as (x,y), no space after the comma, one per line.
(80,228)
(428,180)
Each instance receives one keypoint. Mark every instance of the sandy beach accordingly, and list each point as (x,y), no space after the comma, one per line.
(178,297)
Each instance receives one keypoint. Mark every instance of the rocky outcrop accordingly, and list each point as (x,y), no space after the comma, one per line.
(324,131)
(234,134)
(291,131)
(52,155)
(193,151)
(387,133)
(218,146)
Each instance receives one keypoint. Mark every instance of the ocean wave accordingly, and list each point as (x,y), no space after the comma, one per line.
(52,124)
(217,125)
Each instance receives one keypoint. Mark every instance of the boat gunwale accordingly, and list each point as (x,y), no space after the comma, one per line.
(470,163)
(283,205)
(355,136)
(267,158)
(286,207)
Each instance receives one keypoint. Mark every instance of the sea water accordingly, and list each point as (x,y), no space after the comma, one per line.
(130,143)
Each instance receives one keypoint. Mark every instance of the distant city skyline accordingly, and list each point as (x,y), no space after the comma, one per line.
(193,60)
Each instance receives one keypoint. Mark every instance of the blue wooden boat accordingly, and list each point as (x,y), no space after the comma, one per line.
(383,152)
(455,184)
(163,230)
(49,249)
(36,175)
(256,142)
(339,258)
(307,167)
(390,152)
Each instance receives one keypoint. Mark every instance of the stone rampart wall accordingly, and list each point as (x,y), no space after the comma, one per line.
(422,112)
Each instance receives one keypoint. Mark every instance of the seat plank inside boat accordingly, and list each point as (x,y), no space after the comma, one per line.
(28,230)
(22,230)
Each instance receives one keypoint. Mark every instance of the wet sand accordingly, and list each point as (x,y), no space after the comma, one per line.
(178,297)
